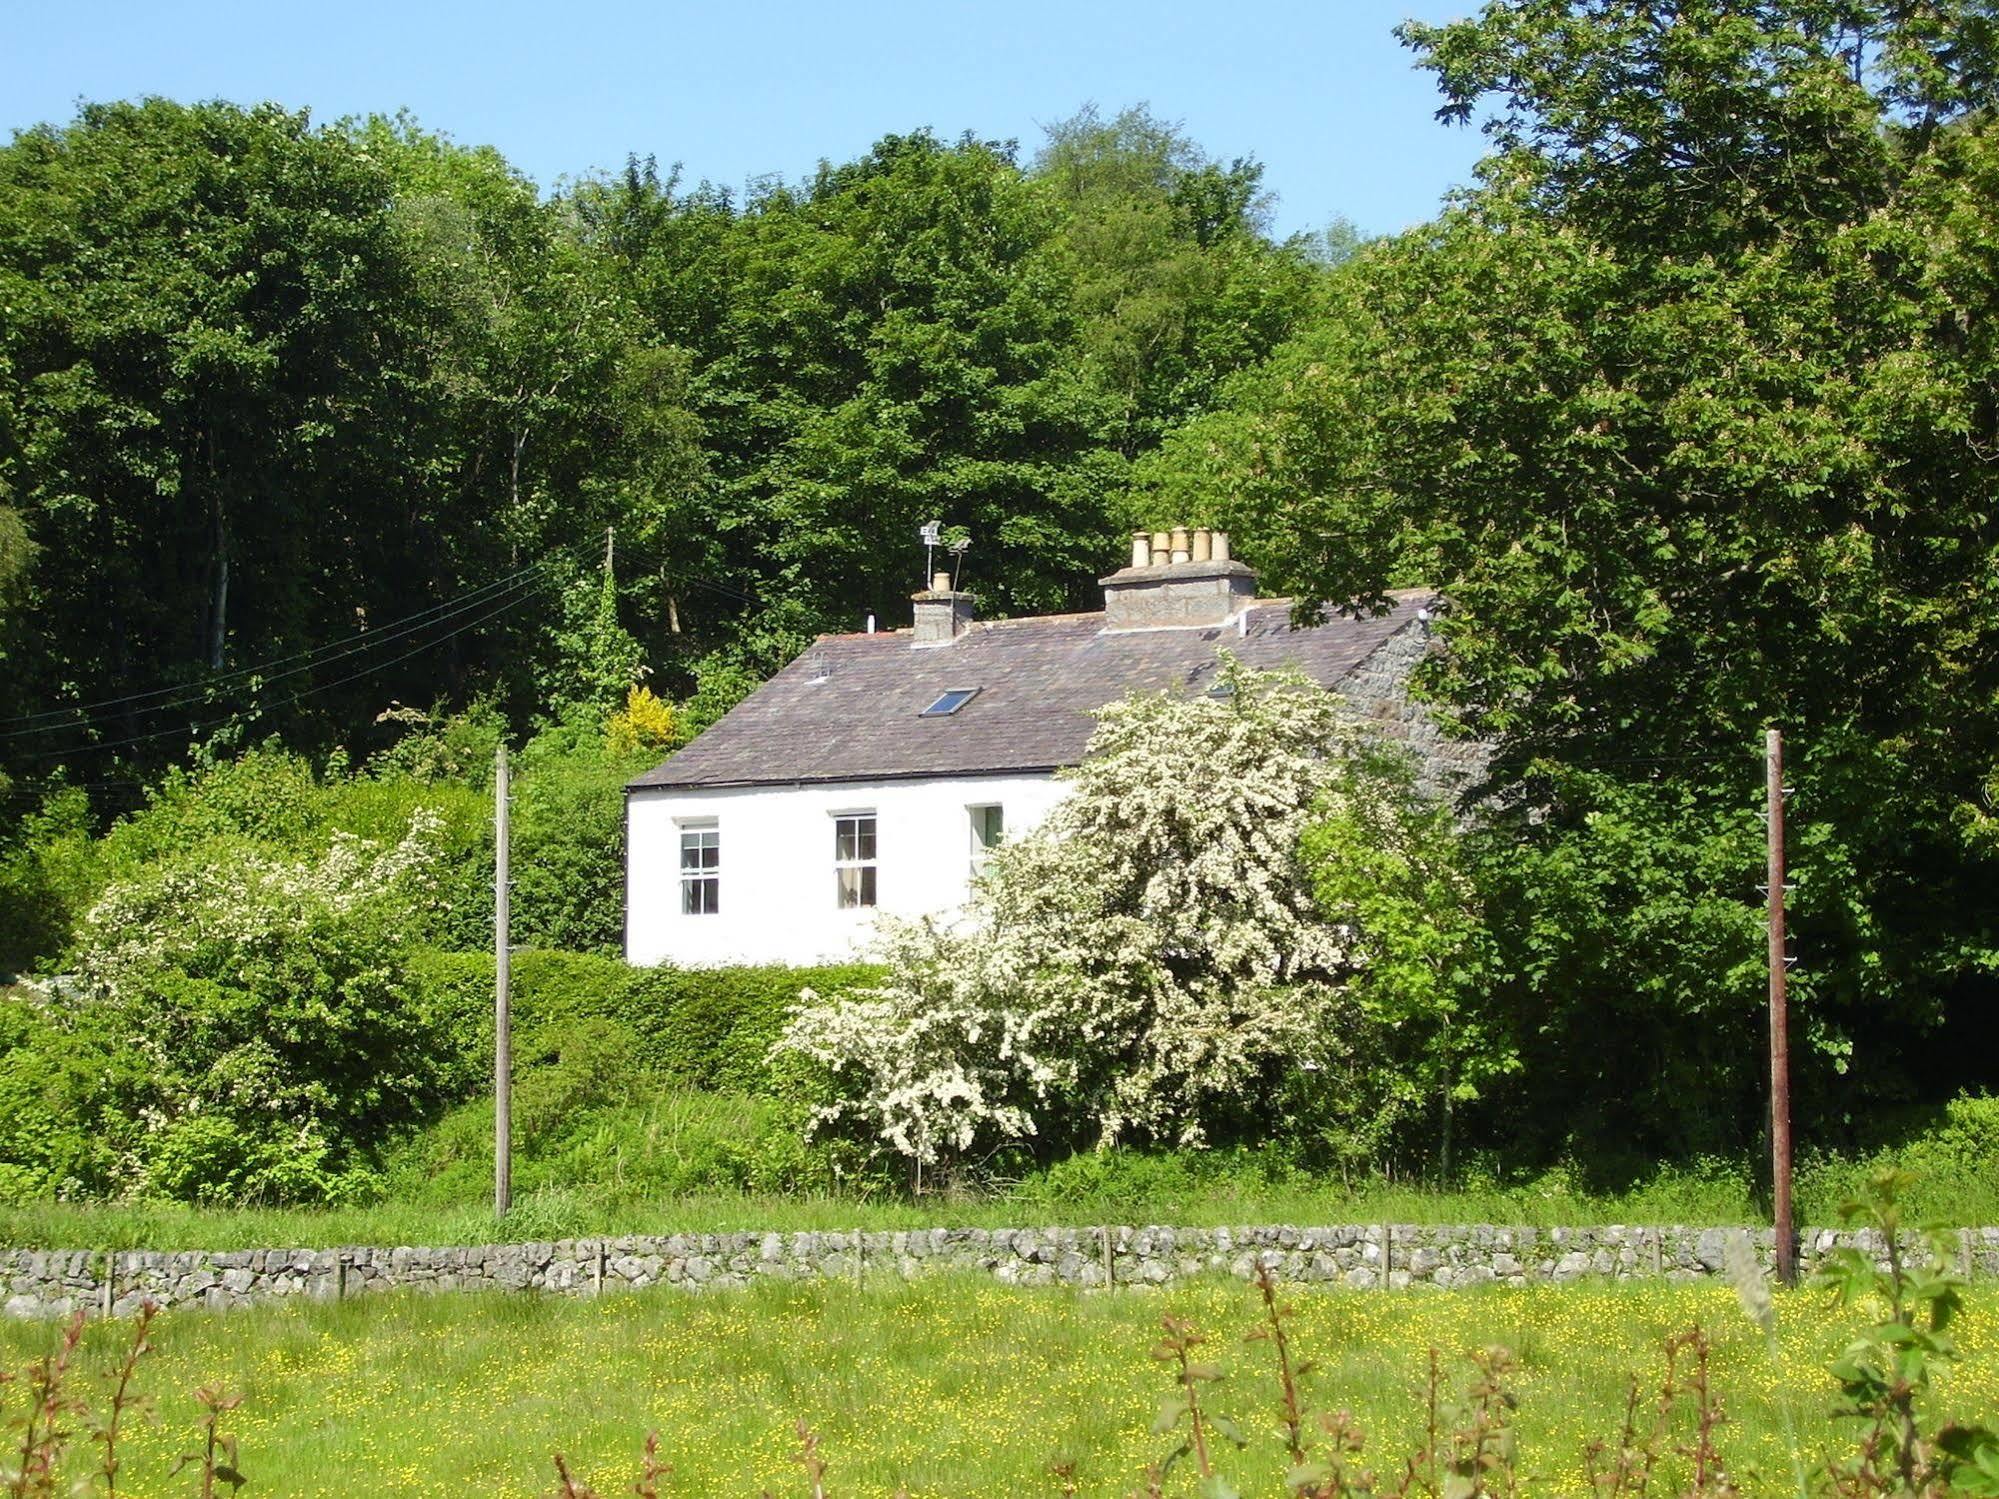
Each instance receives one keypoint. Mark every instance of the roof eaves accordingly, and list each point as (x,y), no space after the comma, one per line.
(845,780)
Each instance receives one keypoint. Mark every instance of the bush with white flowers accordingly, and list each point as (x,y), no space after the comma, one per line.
(266,1001)
(1148,964)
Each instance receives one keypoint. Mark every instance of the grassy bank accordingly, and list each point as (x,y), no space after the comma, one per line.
(1193,1201)
(947,1387)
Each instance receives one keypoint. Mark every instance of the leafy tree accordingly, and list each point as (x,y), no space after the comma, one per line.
(1388,870)
(1682,411)
(554,414)
(207,311)
(17,550)
(902,326)
(1176,283)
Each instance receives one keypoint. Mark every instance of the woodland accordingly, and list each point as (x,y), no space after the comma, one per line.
(332,454)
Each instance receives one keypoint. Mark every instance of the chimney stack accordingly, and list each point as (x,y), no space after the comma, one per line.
(942,612)
(1177,578)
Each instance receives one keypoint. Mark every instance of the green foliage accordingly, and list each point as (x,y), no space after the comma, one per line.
(62,1085)
(630,1084)
(1387,870)
(1175,286)
(1142,1182)
(45,860)
(1676,411)
(266,1004)
(568,831)
(206,311)
(596,661)
(17,550)
(707,1028)
(1884,1374)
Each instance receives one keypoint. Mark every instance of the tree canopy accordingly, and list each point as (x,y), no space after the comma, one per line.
(266,385)
(1686,410)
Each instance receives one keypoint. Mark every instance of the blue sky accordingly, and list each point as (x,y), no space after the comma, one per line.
(1321,93)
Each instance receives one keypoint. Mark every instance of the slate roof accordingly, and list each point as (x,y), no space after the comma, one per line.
(847,709)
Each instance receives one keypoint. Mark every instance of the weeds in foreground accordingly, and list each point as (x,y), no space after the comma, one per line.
(55,1411)
(1626,1467)
(1885,1372)
(1667,1444)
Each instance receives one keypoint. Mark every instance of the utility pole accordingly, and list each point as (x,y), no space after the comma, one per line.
(1780,1042)
(503,1038)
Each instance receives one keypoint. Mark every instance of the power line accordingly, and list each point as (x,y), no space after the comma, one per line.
(318,655)
(509,591)
(525,591)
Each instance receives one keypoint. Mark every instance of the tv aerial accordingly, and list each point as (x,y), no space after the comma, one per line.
(932,536)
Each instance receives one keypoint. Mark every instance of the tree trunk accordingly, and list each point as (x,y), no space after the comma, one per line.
(218,597)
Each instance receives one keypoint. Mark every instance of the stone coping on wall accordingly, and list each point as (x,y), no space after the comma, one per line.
(55,1282)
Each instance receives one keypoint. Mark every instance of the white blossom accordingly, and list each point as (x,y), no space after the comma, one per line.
(1149,955)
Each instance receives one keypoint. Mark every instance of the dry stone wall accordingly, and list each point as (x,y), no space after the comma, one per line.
(51,1283)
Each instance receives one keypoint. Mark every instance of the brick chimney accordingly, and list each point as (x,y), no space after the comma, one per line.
(942,613)
(1177,578)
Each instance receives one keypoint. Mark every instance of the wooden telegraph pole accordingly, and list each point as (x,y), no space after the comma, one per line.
(1780,1042)
(503,1039)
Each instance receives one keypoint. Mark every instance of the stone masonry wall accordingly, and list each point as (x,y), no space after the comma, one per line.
(1377,694)
(52,1283)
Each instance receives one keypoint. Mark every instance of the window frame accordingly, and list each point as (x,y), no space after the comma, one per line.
(704,875)
(957,697)
(982,848)
(863,863)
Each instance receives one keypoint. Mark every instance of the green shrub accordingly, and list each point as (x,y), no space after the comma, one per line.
(63,1124)
(1953,1157)
(629,1083)
(45,879)
(722,1022)
(711,1028)
(268,1043)
(1127,1179)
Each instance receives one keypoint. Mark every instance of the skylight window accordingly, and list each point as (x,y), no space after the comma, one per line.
(950,703)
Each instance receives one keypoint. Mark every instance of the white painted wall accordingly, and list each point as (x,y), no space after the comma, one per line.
(778,892)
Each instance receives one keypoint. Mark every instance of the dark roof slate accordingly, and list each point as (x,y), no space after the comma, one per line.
(847,708)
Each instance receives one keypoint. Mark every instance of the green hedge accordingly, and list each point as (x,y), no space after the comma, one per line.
(711,1028)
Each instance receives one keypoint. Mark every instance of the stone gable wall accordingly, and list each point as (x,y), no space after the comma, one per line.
(53,1283)
(1377,694)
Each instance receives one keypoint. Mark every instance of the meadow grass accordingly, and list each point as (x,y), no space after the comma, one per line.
(559,1213)
(947,1386)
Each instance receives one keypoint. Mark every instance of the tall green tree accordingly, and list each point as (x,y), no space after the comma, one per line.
(206,311)
(1687,410)
(1177,284)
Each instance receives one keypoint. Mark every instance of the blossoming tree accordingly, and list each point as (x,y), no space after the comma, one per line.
(1150,963)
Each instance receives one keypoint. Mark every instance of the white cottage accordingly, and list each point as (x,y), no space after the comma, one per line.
(874,773)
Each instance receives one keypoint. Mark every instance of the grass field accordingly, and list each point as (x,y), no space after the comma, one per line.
(556,1214)
(947,1387)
